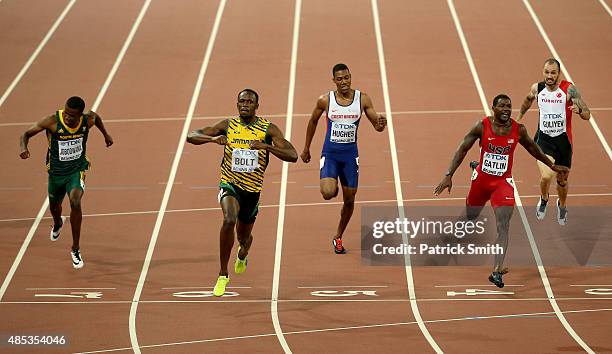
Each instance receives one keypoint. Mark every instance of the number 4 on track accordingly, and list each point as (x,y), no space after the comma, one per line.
(474,292)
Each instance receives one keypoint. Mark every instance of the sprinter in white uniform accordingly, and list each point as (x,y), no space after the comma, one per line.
(557,100)
(340,158)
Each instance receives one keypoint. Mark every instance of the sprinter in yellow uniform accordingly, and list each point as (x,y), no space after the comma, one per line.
(248,141)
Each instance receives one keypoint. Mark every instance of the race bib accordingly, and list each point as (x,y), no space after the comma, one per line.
(494,164)
(245,160)
(343,133)
(552,124)
(70,149)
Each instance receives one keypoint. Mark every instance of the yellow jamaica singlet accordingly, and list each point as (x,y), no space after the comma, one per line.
(241,165)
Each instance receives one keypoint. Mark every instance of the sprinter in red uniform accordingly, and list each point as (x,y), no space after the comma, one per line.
(492,178)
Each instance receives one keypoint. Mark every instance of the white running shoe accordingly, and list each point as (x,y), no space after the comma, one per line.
(541,209)
(77,260)
(55,234)
(561,214)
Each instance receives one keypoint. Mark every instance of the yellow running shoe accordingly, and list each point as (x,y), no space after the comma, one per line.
(221,284)
(241,264)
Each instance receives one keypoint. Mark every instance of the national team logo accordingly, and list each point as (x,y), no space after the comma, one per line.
(510,141)
(559,95)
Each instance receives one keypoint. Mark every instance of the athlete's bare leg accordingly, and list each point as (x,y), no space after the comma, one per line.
(329,188)
(245,238)
(230,207)
(546,177)
(56,212)
(348,195)
(76,216)
(471,212)
(502,217)
(562,188)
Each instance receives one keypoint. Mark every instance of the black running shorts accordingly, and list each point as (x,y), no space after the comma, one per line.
(559,147)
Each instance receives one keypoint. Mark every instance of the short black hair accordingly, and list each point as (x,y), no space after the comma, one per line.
(553,61)
(250,91)
(76,102)
(339,67)
(501,97)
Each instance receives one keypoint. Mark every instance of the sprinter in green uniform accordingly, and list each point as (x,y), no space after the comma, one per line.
(248,141)
(67,132)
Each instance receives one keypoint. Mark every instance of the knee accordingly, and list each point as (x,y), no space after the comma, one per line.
(349,201)
(229,221)
(546,178)
(329,193)
(75,203)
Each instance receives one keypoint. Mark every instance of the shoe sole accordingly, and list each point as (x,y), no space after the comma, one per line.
(78,266)
(492,280)
(336,250)
(561,222)
(236,270)
(540,216)
(216,293)
(60,230)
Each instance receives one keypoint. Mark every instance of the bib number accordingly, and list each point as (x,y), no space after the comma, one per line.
(552,124)
(494,164)
(245,160)
(70,149)
(343,133)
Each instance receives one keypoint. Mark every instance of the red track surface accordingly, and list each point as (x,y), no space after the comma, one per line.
(427,71)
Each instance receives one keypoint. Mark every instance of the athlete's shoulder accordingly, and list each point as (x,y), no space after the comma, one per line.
(263,121)
(90,117)
(564,85)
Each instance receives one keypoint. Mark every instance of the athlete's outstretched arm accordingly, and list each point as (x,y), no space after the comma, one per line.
(45,123)
(534,150)
(470,138)
(528,101)
(379,121)
(579,106)
(320,107)
(280,147)
(100,125)
(217,134)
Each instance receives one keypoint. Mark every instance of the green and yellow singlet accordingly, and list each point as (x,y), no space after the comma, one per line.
(241,165)
(67,147)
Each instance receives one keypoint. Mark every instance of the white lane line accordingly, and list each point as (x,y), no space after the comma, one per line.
(289,205)
(532,243)
(606,7)
(171,178)
(469,286)
(43,208)
(283,187)
(278,115)
(589,285)
(45,204)
(205,287)
(322,300)
(23,248)
(332,329)
(71,288)
(341,286)
(37,51)
(396,177)
(536,20)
